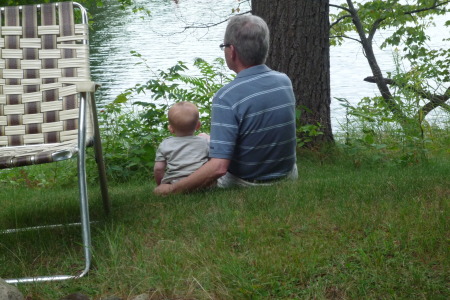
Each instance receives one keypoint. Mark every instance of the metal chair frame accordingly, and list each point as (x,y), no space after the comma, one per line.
(86,106)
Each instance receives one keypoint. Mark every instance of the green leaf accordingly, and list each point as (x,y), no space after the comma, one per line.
(121,98)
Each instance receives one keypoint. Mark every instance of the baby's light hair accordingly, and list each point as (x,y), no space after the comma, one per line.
(183,117)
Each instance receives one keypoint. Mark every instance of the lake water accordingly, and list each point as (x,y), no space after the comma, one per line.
(162,41)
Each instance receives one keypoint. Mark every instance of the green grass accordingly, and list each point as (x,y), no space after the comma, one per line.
(342,231)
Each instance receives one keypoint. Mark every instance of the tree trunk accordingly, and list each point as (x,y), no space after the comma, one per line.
(299,32)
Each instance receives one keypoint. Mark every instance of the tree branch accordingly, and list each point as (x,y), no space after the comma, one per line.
(436,5)
(434,100)
(374,28)
(427,108)
(340,7)
(345,37)
(214,24)
(340,19)
(371,79)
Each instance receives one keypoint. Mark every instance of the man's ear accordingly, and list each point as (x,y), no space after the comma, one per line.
(233,52)
(199,124)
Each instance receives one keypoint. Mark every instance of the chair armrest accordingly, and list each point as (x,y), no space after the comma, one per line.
(86,86)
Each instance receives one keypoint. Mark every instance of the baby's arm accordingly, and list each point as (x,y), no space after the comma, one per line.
(159,170)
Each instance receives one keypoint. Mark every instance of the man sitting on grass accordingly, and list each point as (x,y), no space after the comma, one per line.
(253,136)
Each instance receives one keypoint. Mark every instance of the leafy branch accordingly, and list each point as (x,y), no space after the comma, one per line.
(367,18)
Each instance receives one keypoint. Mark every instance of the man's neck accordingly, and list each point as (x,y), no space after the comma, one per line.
(241,68)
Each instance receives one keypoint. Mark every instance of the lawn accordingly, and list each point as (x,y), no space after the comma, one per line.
(344,230)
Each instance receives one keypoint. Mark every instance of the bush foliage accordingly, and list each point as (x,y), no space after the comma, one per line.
(132,130)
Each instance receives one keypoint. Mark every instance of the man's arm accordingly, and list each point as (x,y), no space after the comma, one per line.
(158,171)
(203,177)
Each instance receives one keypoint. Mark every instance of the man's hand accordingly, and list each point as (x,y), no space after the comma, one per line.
(203,177)
(163,189)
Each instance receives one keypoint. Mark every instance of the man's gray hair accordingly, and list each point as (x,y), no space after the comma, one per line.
(250,37)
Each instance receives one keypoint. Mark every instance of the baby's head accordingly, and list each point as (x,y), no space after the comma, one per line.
(183,119)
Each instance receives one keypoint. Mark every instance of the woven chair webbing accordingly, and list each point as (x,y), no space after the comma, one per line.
(40,62)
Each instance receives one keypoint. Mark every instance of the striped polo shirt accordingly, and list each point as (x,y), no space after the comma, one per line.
(253,124)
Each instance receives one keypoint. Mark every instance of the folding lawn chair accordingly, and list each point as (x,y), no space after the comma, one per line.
(47,106)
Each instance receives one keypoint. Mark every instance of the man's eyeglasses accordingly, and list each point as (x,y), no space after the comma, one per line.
(223,46)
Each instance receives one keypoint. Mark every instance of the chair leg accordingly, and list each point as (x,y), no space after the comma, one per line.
(84,212)
(102,174)
(85,229)
(82,184)
(99,158)
(84,207)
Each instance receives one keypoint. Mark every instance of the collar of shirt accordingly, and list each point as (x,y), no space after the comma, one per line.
(258,69)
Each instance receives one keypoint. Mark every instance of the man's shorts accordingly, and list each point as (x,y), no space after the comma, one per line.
(229,180)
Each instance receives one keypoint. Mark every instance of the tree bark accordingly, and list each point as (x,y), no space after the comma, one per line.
(300,48)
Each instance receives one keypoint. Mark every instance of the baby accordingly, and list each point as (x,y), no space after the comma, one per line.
(180,155)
